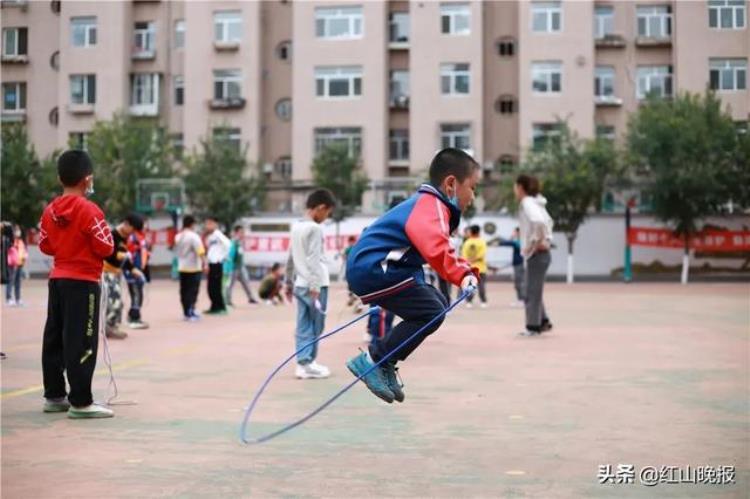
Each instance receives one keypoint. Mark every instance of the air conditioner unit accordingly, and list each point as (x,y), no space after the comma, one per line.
(267,167)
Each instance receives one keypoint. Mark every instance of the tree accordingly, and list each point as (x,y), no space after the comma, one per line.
(125,150)
(334,169)
(574,173)
(218,184)
(694,158)
(27,182)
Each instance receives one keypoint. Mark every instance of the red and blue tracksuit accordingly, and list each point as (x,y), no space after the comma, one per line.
(385,266)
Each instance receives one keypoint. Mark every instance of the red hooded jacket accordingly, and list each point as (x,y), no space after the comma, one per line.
(74,231)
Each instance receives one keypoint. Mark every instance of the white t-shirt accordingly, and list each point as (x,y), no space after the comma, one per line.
(189,249)
(218,247)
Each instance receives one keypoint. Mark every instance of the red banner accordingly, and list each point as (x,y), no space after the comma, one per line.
(710,240)
(281,243)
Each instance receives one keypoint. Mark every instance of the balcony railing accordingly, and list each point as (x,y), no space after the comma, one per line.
(654,41)
(81,108)
(143,54)
(144,109)
(607,101)
(15,116)
(226,46)
(399,102)
(610,41)
(16,59)
(228,103)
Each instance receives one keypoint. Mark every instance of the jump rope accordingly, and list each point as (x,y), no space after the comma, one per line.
(249,410)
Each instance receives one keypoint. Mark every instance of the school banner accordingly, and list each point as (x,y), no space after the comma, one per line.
(709,240)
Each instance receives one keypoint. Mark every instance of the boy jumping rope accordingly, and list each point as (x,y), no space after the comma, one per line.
(75,233)
(385,266)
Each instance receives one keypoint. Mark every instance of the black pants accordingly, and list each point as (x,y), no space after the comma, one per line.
(135,287)
(190,284)
(71,338)
(417,306)
(215,276)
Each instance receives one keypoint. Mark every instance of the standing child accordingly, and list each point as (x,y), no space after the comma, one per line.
(190,262)
(17,256)
(306,269)
(519,274)
(75,233)
(385,266)
(236,266)
(138,249)
(474,250)
(218,249)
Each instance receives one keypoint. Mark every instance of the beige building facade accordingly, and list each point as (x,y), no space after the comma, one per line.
(393,81)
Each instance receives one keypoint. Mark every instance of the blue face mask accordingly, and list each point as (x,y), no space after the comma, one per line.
(454,201)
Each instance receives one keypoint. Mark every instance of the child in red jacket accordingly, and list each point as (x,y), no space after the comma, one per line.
(75,233)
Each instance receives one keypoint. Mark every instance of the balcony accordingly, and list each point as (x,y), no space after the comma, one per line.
(400,43)
(399,102)
(226,46)
(143,54)
(144,110)
(81,109)
(653,42)
(228,103)
(610,41)
(23,4)
(607,101)
(15,59)
(16,116)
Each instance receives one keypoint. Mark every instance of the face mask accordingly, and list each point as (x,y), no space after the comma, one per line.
(454,201)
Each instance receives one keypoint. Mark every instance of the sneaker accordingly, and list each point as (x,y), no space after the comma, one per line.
(394,381)
(482,305)
(20,303)
(320,368)
(517,304)
(93,411)
(138,325)
(310,371)
(546,326)
(469,305)
(528,333)
(116,334)
(56,405)
(375,380)
(2,355)
(11,302)
(222,311)
(192,318)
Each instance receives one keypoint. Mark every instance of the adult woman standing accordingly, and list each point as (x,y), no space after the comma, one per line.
(536,240)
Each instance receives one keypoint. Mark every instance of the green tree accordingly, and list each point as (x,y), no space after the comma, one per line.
(125,150)
(334,169)
(218,182)
(574,173)
(694,158)
(27,182)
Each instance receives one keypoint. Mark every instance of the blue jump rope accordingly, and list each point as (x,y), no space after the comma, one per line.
(274,434)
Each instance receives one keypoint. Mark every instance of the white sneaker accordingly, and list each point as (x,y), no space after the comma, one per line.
(517,304)
(93,411)
(483,305)
(469,305)
(321,368)
(311,371)
(11,302)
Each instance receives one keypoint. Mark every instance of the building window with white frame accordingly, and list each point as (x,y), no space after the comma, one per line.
(15,42)
(179,34)
(339,23)
(455,18)
(656,80)
(83,89)
(456,135)
(179,90)
(398,27)
(455,79)
(604,21)
(350,137)
(399,145)
(654,21)
(79,140)
(399,87)
(228,26)
(231,137)
(83,31)
(14,97)
(227,84)
(338,82)
(546,77)
(178,145)
(606,132)
(727,75)
(727,14)
(604,81)
(144,92)
(283,167)
(144,35)
(546,17)
(542,133)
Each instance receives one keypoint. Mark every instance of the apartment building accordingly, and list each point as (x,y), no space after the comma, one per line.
(394,81)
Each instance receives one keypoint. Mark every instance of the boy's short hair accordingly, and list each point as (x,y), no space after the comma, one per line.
(211,218)
(451,161)
(276,266)
(320,196)
(135,220)
(188,221)
(237,227)
(474,230)
(73,166)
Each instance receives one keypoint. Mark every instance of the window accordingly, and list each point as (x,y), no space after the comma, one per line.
(542,133)
(399,86)
(455,19)
(338,22)
(546,77)
(82,89)
(14,96)
(728,74)
(83,31)
(506,163)
(15,41)
(605,132)
(227,26)
(604,81)
(144,89)
(398,27)
(546,17)
(399,145)
(338,82)
(144,35)
(283,167)
(604,20)
(456,135)
(54,6)
(506,47)
(79,140)
(227,84)
(454,79)
(179,34)
(654,79)
(350,137)
(655,21)
(284,50)
(284,109)
(231,137)
(179,90)
(505,104)
(178,145)
(726,14)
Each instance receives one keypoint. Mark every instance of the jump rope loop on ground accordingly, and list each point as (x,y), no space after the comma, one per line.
(284,429)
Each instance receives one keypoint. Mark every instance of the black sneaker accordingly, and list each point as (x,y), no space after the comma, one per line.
(546,326)
(394,381)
